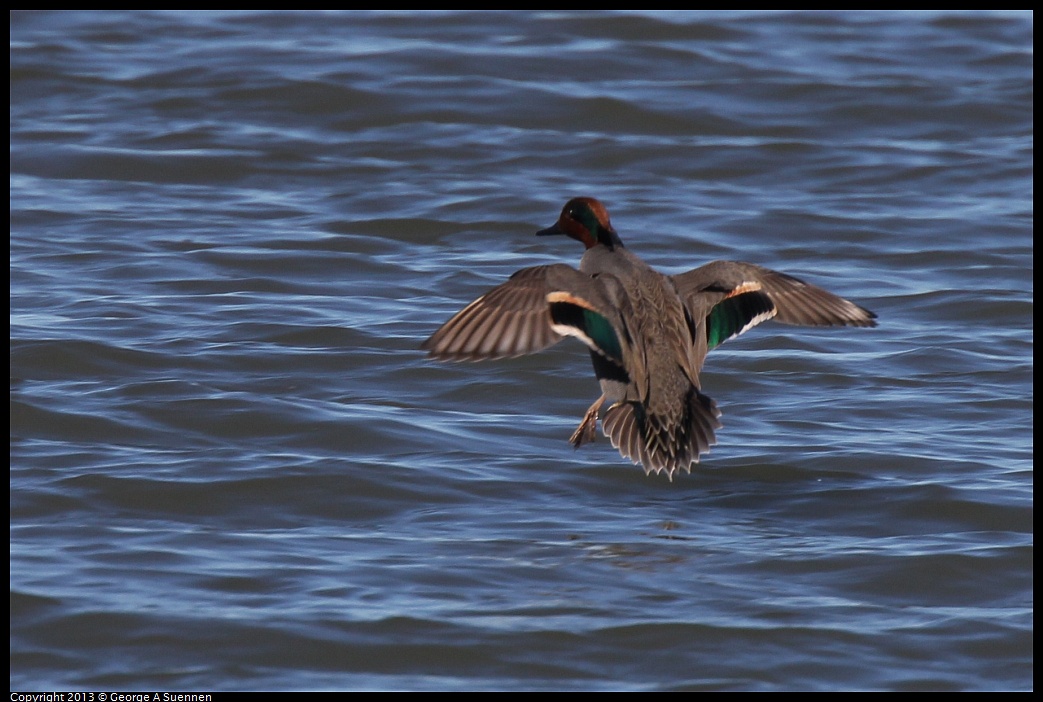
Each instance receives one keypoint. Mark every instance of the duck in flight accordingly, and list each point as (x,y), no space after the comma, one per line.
(648,333)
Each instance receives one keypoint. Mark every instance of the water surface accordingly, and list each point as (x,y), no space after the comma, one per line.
(232,468)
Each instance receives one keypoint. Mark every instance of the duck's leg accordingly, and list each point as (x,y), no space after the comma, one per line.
(587,429)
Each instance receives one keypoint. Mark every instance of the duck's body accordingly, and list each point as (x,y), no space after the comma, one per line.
(648,333)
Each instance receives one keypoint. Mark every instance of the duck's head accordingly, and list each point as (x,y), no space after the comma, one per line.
(585,220)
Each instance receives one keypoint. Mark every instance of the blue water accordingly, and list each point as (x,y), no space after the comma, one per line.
(232,467)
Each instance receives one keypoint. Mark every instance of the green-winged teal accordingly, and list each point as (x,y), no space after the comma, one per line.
(648,333)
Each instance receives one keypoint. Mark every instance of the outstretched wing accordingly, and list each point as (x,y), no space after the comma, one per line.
(533,310)
(725,298)
(795,301)
(757,294)
(512,319)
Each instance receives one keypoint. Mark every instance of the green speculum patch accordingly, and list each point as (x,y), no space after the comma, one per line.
(590,324)
(731,316)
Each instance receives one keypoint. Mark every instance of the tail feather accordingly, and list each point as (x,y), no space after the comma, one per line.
(658,445)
